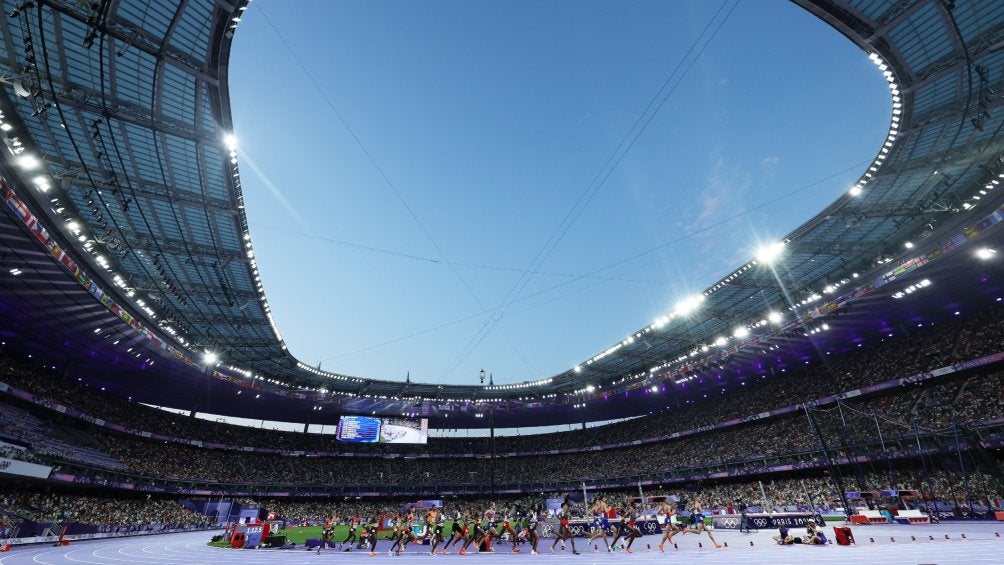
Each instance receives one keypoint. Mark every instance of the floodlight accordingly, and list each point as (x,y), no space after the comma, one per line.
(855,190)
(774,317)
(230,140)
(768,253)
(210,358)
(985,253)
(689,304)
(721,341)
(660,323)
(741,332)
(29,162)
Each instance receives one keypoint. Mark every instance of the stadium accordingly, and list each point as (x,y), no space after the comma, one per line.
(846,376)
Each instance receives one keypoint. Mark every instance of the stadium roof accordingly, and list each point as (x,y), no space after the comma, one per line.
(116,119)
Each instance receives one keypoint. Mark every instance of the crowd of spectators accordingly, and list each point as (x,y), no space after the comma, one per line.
(26,428)
(932,407)
(744,447)
(736,448)
(852,428)
(786,383)
(315,511)
(814,492)
(104,511)
(10,451)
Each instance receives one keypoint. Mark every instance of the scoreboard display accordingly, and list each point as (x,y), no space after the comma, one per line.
(364,429)
(358,429)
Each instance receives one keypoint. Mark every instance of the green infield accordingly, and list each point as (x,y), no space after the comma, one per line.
(300,534)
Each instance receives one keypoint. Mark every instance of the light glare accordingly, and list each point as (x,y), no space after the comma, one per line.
(985,253)
(768,253)
(689,304)
(29,162)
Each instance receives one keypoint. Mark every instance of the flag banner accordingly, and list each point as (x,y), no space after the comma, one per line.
(34,225)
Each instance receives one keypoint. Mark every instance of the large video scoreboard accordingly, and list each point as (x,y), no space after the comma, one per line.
(365,429)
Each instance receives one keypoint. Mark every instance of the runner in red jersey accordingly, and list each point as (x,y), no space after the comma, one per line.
(565,530)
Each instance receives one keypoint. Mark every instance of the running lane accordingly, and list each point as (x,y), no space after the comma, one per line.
(982,548)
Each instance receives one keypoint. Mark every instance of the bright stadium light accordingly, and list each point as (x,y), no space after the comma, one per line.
(721,341)
(230,140)
(210,358)
(855,190)
(689,304)
(741,332)
(774,317)
(660,322)
(769,252)
(985,253)
(29,162)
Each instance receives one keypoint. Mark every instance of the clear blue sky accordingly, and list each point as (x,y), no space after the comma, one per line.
(404,163)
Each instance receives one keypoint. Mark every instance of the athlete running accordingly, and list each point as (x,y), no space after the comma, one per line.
(353,526)
(698,518)
(434,528)
(475,534)
(531,523)
(600,521)
(458,531)
(565,528)
(370,530)
(507,528)
(327,532)
(626,527)
(670,528)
